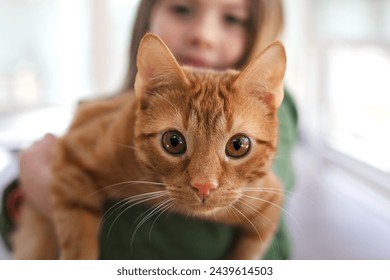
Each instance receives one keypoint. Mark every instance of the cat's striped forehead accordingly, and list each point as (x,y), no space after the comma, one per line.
(210,104)
(214,102)
(209,99)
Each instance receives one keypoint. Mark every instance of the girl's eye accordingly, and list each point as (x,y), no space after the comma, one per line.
(174,142)
(181,10)
(233,20)
(238,146)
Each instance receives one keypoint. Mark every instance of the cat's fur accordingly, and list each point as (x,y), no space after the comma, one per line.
(119,140)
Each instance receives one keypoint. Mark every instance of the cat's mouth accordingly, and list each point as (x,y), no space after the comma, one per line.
(197,204)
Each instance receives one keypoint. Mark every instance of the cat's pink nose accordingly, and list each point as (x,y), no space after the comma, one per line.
(204,189)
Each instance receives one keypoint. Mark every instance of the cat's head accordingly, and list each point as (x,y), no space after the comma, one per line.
(206,135)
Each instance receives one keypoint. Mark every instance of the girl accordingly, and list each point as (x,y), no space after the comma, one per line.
(217,34)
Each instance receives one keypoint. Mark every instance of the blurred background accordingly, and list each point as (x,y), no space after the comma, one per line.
(56,52)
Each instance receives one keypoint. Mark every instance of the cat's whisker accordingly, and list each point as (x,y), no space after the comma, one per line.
(268,202)
(215,217)
(126,209)
(235,214)
(107,214)
(140,198)
(129,200)
(265,190)
(257,189)
(148,214)
(126,146)
(242,202)
(129,183)
(141,182)
(275,205)
(286,193)
(138,201)
(274,226)
(162,211)
(246,218)
(144,213)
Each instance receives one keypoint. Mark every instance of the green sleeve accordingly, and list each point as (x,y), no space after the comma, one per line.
(177,237)
(283,167)
(288,135)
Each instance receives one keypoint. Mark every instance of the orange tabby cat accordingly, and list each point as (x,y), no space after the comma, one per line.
(204,140)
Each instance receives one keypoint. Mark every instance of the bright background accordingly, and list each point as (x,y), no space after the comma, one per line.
(55,52)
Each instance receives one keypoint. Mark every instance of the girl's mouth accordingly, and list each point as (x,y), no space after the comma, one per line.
(194,62)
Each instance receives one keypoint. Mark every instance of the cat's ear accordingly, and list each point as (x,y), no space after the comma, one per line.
(156,64)
(265,74)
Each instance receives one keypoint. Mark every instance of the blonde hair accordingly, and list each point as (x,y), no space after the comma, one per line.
(265,25)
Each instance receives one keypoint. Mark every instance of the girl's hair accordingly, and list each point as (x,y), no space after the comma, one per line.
(264,26)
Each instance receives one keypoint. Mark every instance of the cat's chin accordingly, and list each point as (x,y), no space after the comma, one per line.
(206,211)
(201,210)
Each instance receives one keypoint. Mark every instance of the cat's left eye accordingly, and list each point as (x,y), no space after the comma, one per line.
(238,146)
(174,142)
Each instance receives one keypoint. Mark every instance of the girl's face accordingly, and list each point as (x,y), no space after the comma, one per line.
(202,33)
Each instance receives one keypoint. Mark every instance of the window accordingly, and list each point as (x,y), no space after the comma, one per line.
(343,50)
(359,102)
(58,51)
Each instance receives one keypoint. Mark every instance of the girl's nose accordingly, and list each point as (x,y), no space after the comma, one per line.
(204,31)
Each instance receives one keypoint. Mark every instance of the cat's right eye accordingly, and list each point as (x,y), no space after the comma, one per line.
(238,146)
(174,142)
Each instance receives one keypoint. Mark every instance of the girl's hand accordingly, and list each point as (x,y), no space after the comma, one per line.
(35,173)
